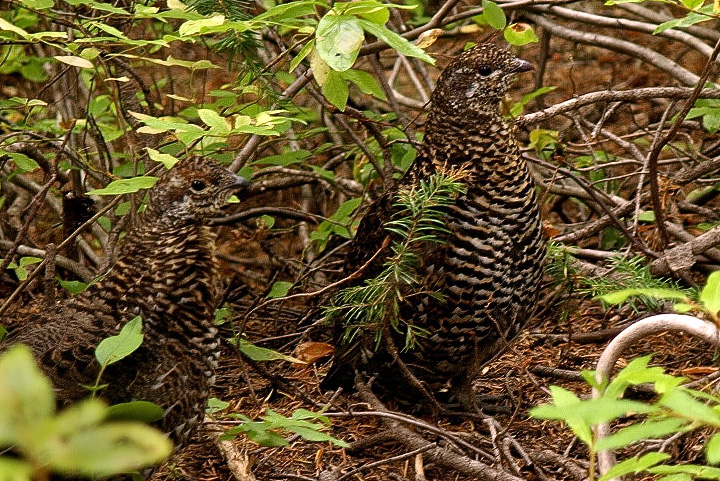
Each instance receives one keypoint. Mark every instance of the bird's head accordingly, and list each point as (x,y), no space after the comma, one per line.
(476,80)
(194,189)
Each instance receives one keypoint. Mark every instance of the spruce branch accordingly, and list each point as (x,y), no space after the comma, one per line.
(419,219)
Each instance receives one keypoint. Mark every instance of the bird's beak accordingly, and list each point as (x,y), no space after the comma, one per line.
(239,185)
(236,191)
(523,66)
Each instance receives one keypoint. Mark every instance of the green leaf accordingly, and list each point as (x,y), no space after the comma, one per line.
(517,108)
(367,83)
(193,27)
(126,186)
(143,411)
(650,429)
(26,397)
(621,296)
(257,353)
(312,434)
(397,42)
(712,449)
(279,289)
(29,260)
(74,61)
(14,470)
(338,40)
(109,449)
(38,4)
(519,34)
(710,295)
(217,124)
(215,405)
(335,89)
(634,465)
(23,162)
(697,471)
(493,15)
(682,22)
(688,407)
(692,4)
(115,348)
(165,159)
(307,48)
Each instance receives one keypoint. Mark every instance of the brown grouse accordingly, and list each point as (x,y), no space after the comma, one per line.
(166,273)
(490,267)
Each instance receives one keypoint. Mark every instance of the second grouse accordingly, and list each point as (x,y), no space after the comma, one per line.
(489,268)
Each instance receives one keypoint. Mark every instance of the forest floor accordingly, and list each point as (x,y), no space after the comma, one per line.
(552,351)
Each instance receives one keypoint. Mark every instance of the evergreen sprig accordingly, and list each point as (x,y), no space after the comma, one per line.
(419,219)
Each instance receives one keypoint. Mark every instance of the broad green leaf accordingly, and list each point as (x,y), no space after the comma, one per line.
(212,119)
(12,469)
(23,162)
(697,471)
(320,68)
(29,260)
(26,397)
(317,436)
(279,289)
(676,477)
(38,4)
(74,61)
(710,295)
(165,159)
(260,433)
(692,4)
(335,89)
(268,221)
(257,353)
(126,186)
(365,82)
(682,22)
(215,405)
(634,433)
(712,449)
(690,408)
(621,296)
(7,26)
(110,448)
(634,465)
(143,411)
(115,348)
(193,27)
(396,41)
(338,40)
(519,34)
(494,15)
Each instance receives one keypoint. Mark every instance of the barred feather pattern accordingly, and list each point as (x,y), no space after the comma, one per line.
(489,267)
(166,273)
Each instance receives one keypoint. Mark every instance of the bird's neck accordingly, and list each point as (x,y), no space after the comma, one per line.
(483,142)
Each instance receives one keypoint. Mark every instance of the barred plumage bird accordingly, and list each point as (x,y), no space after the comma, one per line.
(489,269)
(165,271)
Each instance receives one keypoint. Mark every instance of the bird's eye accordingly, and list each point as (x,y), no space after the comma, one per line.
(484,70)
(197,185)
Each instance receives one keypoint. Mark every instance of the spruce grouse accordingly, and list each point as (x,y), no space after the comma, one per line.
(489,268)
(166,273)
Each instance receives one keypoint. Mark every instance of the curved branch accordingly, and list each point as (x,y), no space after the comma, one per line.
(640,330)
